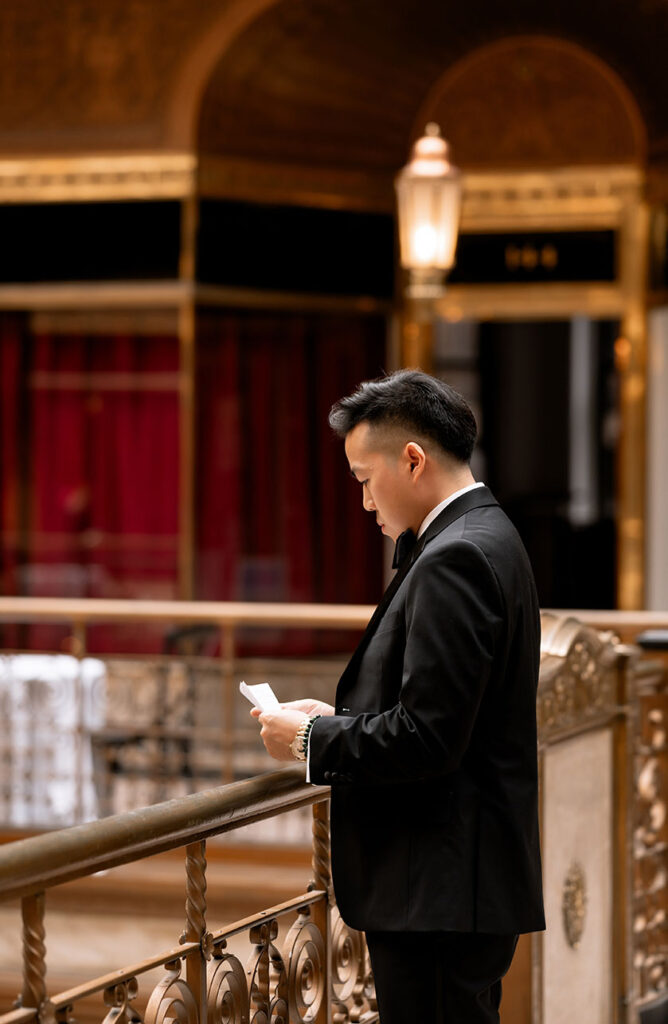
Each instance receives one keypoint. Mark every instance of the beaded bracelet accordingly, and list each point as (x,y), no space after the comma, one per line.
(299,745)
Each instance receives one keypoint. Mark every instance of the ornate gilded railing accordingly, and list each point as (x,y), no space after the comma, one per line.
(137,730)
(590,682)
(318,972)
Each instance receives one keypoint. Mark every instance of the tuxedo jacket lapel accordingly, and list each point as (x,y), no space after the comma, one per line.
(393,586)
(477,498)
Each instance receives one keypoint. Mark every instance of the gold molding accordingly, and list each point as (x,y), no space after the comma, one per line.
(267,181)
(105,322)
(110,297)
(568,198)
(574,904)
(565,198)
(521,301)
(90,177)
(96,295)
(578,677)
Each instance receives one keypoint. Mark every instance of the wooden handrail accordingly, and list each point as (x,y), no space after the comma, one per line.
(31,865)
(221,613)
(259,613)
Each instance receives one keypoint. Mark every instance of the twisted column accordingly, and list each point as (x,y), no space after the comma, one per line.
(34,951)
(320,862)
(195,892)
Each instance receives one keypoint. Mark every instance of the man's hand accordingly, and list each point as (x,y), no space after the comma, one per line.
(309,706)
(279,728)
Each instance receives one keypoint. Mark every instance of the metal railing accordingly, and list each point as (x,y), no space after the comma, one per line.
(121,732)
(146,727)
(318,973)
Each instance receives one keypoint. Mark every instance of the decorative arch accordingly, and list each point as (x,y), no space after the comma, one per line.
(182,108)
(568,107)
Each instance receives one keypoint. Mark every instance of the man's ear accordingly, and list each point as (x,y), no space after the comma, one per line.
(416,458)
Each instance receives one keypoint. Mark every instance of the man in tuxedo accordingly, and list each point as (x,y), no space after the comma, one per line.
(430,750)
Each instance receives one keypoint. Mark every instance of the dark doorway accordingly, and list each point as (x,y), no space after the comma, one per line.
(545,397)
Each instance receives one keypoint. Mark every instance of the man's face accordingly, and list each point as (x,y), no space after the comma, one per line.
(385,477)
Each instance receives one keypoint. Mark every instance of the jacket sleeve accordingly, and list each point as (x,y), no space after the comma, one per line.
(454,622)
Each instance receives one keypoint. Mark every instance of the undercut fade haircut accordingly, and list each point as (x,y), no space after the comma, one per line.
(413,401)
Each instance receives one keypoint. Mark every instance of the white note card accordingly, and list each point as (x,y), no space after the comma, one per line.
(261,695)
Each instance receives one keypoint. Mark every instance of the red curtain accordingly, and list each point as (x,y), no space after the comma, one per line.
(11,490)
(103,476)
(89,455)
(278,516)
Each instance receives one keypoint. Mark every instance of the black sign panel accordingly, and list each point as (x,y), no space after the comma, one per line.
(90,241)
(535,256)
(291,248)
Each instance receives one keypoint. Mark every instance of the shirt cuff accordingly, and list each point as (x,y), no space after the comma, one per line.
(308,757)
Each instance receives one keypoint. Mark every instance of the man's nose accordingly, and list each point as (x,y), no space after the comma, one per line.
(367,502)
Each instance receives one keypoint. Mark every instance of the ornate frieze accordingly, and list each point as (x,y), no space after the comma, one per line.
(97,177)
(650,832)
(578,676)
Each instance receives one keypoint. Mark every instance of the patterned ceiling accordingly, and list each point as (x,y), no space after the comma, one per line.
(328,82)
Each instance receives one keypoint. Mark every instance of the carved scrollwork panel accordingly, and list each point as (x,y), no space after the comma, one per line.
(304,954)
(119,999)
(268,984)
(228,1000)
(578,676)
(172,1000)
(352,982)
(650,836)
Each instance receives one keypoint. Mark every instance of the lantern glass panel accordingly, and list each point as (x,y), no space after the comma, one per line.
(428,222)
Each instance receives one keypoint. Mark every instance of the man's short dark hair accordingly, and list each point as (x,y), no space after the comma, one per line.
(414,401)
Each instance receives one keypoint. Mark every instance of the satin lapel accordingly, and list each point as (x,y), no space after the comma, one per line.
(477,498)
(371,628)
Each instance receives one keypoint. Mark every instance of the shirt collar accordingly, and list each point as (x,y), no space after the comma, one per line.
(429,518)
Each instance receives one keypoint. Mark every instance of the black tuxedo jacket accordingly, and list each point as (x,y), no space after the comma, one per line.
(431,754)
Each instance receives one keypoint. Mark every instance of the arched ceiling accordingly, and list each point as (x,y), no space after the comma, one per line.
(339,83)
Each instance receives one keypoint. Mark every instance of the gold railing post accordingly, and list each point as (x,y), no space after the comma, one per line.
(196,975)
(229,700)
(417,334)
(322,879)
(34,953)
(631,360)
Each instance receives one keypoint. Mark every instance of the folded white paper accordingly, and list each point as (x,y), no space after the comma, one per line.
(261,695)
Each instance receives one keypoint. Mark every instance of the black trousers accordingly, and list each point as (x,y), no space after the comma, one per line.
(439,977)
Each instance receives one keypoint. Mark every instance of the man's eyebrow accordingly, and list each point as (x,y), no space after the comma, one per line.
(354,470)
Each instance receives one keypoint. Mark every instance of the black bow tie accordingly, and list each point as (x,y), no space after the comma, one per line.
(403,549)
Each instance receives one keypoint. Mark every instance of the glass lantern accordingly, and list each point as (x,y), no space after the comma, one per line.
(429,200)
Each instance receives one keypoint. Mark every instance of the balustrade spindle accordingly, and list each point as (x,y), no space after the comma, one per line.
(34,951)
(196,973)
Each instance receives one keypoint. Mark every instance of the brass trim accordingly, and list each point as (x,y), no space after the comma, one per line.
(524,301)
(574,904)
(564,199)
(105,322)
(165,296)
(631,358)
(98,176)
(103,295)
(266,181)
